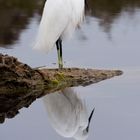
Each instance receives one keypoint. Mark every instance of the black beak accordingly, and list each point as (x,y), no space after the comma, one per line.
(89,119)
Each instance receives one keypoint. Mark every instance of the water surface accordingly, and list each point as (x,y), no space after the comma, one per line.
(108,39)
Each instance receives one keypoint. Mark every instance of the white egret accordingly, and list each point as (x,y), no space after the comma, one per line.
(67,113)
(59,20)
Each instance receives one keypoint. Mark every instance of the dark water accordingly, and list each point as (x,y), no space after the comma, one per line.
(108,39)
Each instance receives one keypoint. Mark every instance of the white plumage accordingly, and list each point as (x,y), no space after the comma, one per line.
(67,114)
(59,20)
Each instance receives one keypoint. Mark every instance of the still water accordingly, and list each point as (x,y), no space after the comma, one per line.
(108,39)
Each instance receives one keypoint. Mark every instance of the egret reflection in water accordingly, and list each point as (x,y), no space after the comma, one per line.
(68,114)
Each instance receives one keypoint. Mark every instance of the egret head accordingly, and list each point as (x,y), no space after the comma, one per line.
(82,133)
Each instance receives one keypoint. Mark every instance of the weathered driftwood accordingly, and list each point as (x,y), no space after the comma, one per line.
(20,84)
(15,75)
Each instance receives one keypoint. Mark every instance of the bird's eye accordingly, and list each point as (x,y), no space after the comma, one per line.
(87,129)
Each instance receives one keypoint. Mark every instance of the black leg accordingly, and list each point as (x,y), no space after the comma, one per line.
(60,43)
(59,52)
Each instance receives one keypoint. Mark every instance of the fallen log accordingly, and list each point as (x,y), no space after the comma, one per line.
(17,76)
(20,84)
